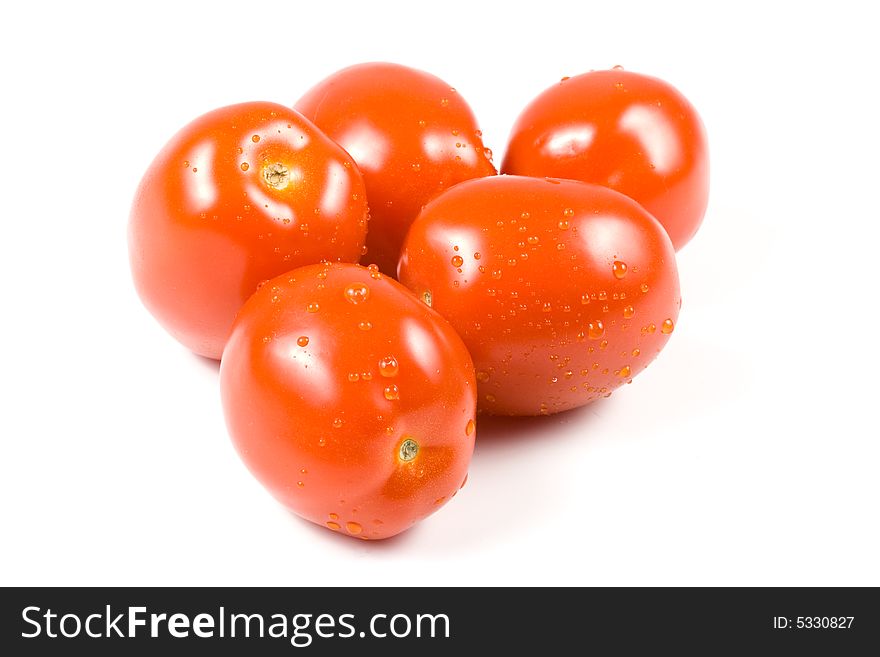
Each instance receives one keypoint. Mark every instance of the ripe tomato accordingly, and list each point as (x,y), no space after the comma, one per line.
(239,195)
(623,130)
(561,290)
(350,401)
(411,135)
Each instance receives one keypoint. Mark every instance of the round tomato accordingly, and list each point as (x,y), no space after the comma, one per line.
(238,196)
(350,401)
(561,290)
(411,134)
(623,130)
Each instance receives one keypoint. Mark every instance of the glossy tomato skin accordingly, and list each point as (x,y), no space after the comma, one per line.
(631,132)
(411,134)
(329,371)
(238,196)
(561,290)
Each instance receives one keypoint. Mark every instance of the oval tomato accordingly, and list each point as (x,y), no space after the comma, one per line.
(631,132)
(349,400)
(238,196)
(561,290)
(411,134)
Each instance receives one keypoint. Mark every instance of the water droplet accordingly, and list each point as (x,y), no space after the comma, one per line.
(333,525)
(313,307)
(365,326)
(366,376)
(625,371)
(568,212)
(490,398)
(245,166)
(427,298)
(560,246)
(195,169)
(255,138)
(337,422)
(444,102)
(301,484)
(617,67)
(533,239)
(496,274)
(667,327)
(322,442)
(644,288)
(408,450)
(357,293)
(333,516)
(563,225)
(636,351)
(618,268)
(487,153)
(302,340)
(595,329)
(416,166)
(304,228)
(628,312)
(470,427)
(388,366)
(392,392)
(585,298)
(547,307)
(482,376)
(354,528)
(457,261)
(652,328)
(186,164)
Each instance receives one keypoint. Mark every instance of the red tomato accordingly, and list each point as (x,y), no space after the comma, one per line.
(411,135)
(623,130)
(561,290)
(350,400)
(238,196)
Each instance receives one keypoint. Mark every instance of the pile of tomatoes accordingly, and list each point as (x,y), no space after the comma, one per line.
(351,391)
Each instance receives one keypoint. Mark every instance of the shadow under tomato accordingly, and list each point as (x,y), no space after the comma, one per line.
(392,543)
(497,431)
(209,364)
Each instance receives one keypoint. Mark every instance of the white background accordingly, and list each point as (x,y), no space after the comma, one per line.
(746,454)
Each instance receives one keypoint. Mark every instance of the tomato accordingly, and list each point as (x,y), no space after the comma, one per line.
(631,132)
(238,196)
(561,290)
(411,134)
(350,400)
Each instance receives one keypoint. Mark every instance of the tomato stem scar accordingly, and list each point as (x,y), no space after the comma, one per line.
(276,175)
(408,449)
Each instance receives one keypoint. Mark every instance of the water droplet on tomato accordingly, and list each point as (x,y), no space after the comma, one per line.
(333,516)
(333,525)
(482,376)
(667,327)
(313,307)
(302,340)
(470,427)
(365,326)
(353,377)
(533,239)
(337,422)
(388,366)
(392,392)
(563,225)
(618,268)
(457,261)
(644,288)
(255,138)
(357,293)
(628,312)
(595,329)
(568,212)
(354,528)
(245,166)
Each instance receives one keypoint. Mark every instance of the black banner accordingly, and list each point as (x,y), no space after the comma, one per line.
(436,621)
